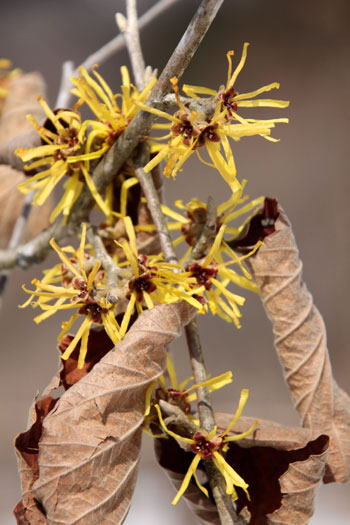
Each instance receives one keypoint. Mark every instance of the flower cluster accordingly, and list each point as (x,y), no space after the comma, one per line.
(190,222)
(151,280)
(78,283)
(189,130)
(211,446)
(214,274)
(70,145)
(168,388)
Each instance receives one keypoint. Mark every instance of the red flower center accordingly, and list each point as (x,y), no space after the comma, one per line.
(142,284)
(202,275)
(228,100)
(94,310)
(204,447)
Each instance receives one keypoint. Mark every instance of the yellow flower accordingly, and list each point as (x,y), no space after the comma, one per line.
(178,393)
(112,117)
(70,144)
(214,275)
(191,130)
(112,113)
(66,152)
(152,280)
(192,223)
(77,283)
(212,445)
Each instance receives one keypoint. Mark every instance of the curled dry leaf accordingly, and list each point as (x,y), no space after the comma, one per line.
(300,340)
(283,466)
(11,206)
(15,130)
(89,446)
(23,91)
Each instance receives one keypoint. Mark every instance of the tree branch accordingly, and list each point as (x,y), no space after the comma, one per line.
(65,85)
(205,411)
(102,255)
(133,44)
(116,44)
(154,205)
(188,45)
(208,233)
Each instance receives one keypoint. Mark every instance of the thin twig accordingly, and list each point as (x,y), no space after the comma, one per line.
(185,426)
(208,233)
(205,411)
(102,255)
(116,44)
(65,85)
(154,205)
(133,44)
(204,106)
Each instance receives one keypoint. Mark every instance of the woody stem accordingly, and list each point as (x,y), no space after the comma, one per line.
(223,502)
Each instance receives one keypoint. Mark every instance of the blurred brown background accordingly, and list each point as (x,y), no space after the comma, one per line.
(306,47)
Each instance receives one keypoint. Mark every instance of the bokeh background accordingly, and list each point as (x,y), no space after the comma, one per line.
(306,47)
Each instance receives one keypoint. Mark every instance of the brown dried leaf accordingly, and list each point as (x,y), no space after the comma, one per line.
(11,206)
(98,345)
(29,514)
(283,466)
(15,130)
(23,91)
(90,443)
(300,340)
(28,511)
(21,100)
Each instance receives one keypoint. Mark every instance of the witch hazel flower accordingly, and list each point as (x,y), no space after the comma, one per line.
(190,131)
(78,283)
(212,446)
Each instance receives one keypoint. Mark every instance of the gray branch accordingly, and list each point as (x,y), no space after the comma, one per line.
(133,44)
(208,233)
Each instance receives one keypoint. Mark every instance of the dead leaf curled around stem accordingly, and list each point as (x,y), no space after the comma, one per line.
(300,341)
(11,206)
(90,442)
(282,465)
